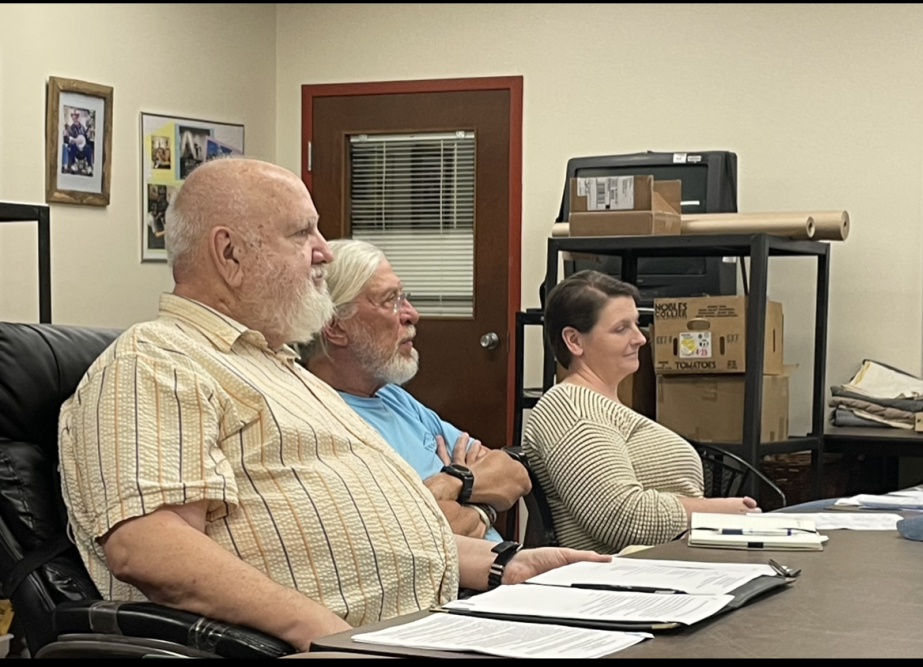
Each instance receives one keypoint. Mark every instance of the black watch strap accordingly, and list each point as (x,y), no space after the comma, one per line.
(505,552)
(466,477)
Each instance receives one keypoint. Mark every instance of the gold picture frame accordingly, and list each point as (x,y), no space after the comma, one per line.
(78,142)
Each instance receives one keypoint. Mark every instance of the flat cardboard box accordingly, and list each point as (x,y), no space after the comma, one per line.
(627,223)
(710,408)
(662,215)
(708,334)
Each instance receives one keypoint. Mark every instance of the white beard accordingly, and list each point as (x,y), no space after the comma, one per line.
(309,314)
(386,366)
(293,312)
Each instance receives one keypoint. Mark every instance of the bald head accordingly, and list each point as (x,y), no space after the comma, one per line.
(243,238)
(238,193)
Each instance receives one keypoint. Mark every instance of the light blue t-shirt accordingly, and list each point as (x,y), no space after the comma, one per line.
(410,428)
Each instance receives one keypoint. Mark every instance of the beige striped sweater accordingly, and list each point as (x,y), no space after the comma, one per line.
(612,476)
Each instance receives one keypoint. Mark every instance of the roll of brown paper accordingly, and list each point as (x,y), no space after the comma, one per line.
(828,225)
(831,225)
(780,224)
(560,229)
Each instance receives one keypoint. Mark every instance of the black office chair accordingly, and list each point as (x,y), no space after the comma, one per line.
(539,524)
(726,474)
(57,608)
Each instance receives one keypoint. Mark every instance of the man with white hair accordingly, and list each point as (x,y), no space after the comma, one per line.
(366,352)
(206,470)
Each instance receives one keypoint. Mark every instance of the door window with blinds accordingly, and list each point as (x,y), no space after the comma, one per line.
(412,195)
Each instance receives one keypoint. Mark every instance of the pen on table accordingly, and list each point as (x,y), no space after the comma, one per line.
(628,589)
(759,531)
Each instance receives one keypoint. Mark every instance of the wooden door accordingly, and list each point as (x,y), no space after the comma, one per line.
(468,385)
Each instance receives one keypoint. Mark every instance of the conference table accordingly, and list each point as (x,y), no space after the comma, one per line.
(861,597)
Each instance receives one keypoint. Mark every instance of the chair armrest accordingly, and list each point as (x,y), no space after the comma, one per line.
(153,621)
(516,452)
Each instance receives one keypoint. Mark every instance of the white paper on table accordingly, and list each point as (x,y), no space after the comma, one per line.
(509,639)
(910,499)
(591,605)
(687,577)
(851,520)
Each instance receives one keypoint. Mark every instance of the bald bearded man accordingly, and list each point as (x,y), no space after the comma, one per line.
(206,470)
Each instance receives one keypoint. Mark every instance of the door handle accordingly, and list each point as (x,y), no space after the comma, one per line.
(490,340)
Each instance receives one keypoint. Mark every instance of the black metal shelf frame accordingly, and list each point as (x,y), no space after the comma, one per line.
(526,397)
(11,212)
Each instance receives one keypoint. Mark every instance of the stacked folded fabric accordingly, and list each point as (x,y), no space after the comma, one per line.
(877,395)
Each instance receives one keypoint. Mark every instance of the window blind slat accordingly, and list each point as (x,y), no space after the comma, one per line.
(412,196)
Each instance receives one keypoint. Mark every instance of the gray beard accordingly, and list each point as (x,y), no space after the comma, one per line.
(399,370)
(296,313)
(308,316)
(395,369)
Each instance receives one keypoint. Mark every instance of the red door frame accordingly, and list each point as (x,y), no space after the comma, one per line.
(511,83)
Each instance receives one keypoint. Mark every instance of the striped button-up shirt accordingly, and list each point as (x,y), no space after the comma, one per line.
(194,406)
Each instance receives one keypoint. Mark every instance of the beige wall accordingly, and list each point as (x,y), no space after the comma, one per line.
(818,101)
(215,62)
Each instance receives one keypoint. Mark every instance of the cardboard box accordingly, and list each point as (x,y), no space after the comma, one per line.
(918,422)
(655,212)
(708,334)
(710,408)
(629,223)
(611,193)
(639,390)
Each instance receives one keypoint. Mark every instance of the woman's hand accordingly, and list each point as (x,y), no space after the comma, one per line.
(743,505)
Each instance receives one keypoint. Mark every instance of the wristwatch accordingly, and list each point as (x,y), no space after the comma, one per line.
(467,479)
(505,552)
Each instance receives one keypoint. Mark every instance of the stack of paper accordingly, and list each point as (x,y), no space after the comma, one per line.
(642,575)
(773,532)
(586,610)
(850,520)
(909,499)
(509,639)
(594,608)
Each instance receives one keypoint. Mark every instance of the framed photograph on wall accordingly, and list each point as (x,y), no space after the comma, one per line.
(78,142)
(171,148)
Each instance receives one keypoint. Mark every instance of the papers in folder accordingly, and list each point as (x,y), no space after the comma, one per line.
(772,532)
(586,610)
(656,576)
(598,607)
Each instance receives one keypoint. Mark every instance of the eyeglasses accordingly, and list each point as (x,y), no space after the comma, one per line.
(395,302)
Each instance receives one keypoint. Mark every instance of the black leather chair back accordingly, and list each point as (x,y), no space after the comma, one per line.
(539,525)
(40,367)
